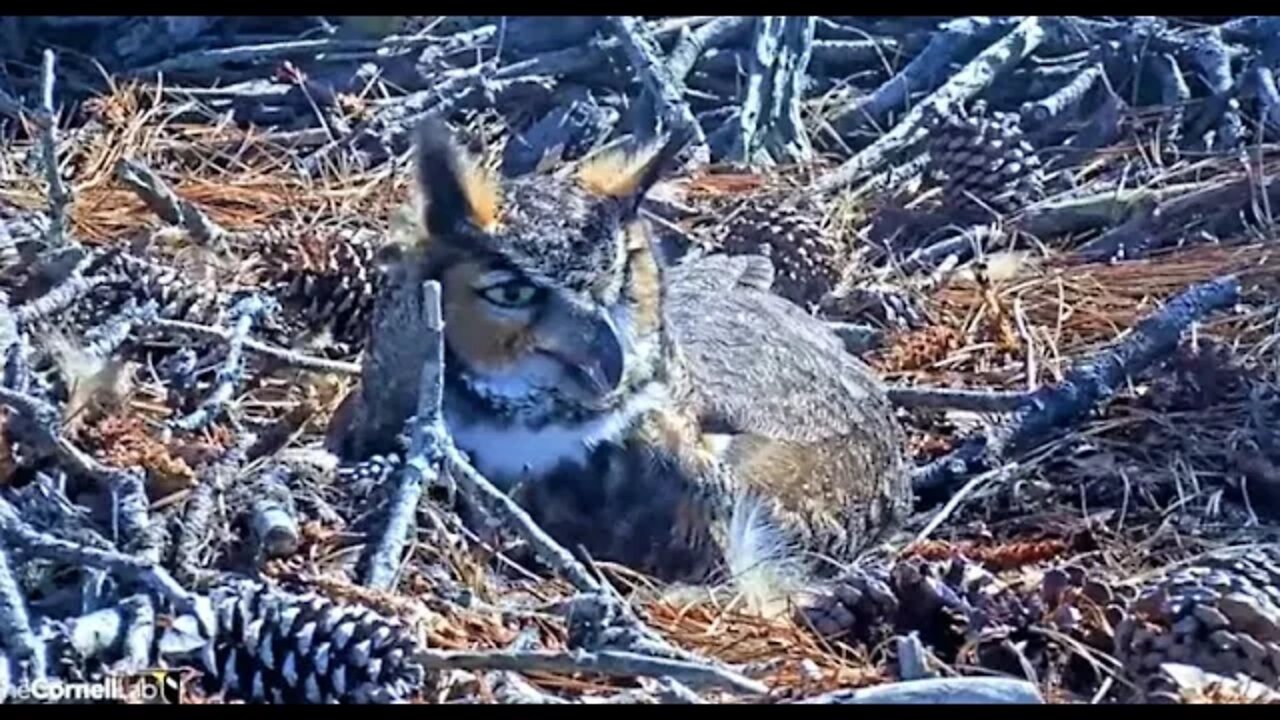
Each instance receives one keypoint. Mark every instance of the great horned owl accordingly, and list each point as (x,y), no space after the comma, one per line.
(683,425)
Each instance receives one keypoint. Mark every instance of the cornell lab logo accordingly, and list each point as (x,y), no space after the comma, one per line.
(155,687)
(148,687)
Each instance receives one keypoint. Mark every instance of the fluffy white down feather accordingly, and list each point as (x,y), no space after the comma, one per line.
(766,572)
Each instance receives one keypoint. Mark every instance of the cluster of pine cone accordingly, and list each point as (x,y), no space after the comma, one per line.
(1221,615)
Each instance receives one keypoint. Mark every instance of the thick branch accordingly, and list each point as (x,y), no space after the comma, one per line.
(937,691)
(948,45)
(605,662)
(991,401)
(429,437)
(1057,407)
(1065,98)
(975,77)
(16,635)
(59,195)
(666,90)
(163,201)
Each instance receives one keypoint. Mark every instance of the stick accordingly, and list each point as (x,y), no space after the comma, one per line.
(720,31)
(231,373)
(922,73)
(987,401)
(1174,96)
(605,662)
(1213,59)
(59,196)
(273,523)
(288,357)
(59,298)
(164,202)
(1129,240)
(890,180)
(1076,214)
(428,439)
(937,691)
(1068,97)
(197,516)
(263,52)
(131,518)
(975,77)
(957,248)
(770,117)
(509,688)
(1058,406)
(667,91)
(577,123)
(41,428)
(688,49)
(103,340)
(24,538)
(16,634)
(507,511)
(958,497)
(1264,81)
(854,52)
(1153,338)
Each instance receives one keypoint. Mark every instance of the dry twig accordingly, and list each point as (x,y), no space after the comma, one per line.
(429,439)
(59,195)
(607,662)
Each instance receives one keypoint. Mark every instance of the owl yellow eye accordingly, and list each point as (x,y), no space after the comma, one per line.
(510,294)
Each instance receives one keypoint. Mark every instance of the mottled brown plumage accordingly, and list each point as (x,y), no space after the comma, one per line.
(691,424)
(812,431)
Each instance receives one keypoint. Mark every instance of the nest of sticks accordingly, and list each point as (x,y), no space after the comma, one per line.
(187,281)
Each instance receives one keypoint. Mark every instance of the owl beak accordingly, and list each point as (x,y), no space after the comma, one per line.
(594,351)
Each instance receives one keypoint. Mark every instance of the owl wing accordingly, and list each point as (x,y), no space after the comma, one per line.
(719,272)
(760,365)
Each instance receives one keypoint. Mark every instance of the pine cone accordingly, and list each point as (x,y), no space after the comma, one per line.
(807,264)
(367,477)
(328,281)
(1221,615)
(984,162)
(953,604)
(271,646)
(143,280)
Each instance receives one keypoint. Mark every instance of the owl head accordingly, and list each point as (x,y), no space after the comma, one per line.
(551,289)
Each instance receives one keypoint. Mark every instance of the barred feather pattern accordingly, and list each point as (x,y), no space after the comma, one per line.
(272,646)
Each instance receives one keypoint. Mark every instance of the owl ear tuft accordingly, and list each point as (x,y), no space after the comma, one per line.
(630,175)
(455,189)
